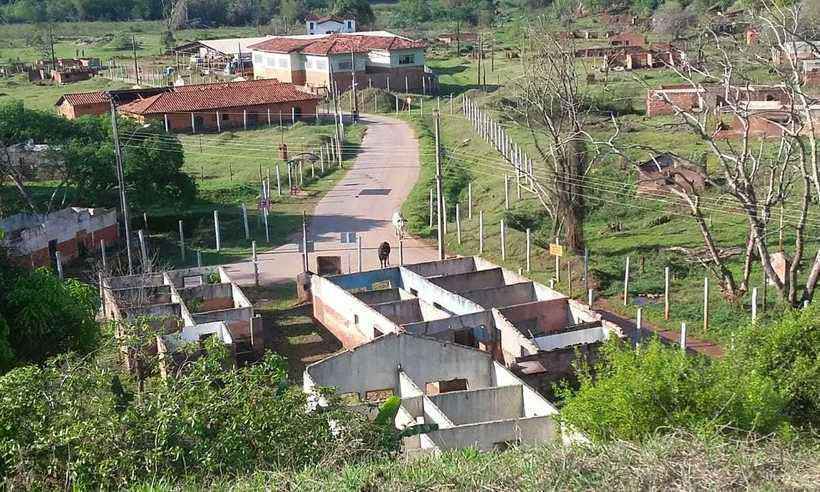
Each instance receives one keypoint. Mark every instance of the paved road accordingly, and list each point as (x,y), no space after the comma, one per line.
(363,202)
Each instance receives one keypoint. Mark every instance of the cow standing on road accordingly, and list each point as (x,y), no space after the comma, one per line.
(384,254)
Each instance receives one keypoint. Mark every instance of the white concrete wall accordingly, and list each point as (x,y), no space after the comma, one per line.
(433,294)
(316,63)
(481,322)
(485,435)
(513,343)
(342,63)
(375,365)
(450,266)
(417,55)
(535,405)
(481,405)
(354,313)
(577,337)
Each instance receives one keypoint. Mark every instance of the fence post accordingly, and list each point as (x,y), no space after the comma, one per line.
(255,265)
(181,241)
(470,200)
(265,219)
(431,208)
(705,303)
(586,268)
(359,250)
(506,192)
(638,327)
(683,336)
(458,224)
(199,258)
(528,249)
(480,232)
(666,293)
(245,222)
(754,304)
(590,297)
(444,212)
(503,241)
(216,230)
(102,253)
(626,282)
(58,257)
(146,265)
(278,182)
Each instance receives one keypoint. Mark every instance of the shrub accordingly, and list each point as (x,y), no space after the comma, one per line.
(787,351)
(633,394)
(72,423)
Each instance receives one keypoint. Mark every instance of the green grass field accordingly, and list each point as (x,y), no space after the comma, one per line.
(230,163)
(648,227)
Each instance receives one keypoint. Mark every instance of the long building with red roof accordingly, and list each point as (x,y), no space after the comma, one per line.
(375,59)
(220,106)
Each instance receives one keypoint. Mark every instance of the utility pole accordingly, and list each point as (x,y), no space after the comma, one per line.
(458,38)
(478,44)
(121,180)
(439,197)
(134,51)
(51,42)
(355,107)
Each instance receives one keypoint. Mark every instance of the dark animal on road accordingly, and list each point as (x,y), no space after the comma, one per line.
(384,254)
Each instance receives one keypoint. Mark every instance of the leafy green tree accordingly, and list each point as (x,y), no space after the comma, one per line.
(153,160)
(50,316)
(75,420)
(360,9)
(292,11)
(415,10)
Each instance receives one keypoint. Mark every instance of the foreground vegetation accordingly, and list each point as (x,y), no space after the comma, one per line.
(679,462)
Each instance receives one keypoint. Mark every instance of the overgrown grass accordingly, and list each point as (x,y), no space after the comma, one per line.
(677,462)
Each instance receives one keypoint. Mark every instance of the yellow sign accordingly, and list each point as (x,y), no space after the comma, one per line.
(556,250)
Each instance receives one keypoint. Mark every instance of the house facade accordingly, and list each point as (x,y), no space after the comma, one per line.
(221,106)
(34,239)
(329,24)
(374,59)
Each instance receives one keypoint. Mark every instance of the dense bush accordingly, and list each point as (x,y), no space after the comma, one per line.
(74,423)
(49,315)
(84,150)
(769,381)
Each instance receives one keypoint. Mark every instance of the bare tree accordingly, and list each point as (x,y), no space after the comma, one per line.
(555,110)
(766,159)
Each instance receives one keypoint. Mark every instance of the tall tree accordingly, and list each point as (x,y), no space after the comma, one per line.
(554,106)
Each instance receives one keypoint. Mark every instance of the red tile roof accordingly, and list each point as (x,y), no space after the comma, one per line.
(325,18)
(281,45)
(82,98)
(211,97)
(337,44)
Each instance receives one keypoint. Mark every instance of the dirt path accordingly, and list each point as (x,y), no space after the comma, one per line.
(671,337)
(363,202)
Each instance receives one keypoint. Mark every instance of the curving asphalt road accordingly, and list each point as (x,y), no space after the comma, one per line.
(363,202)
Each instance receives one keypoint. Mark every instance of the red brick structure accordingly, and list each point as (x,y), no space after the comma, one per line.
(628,39)
(33,239)
(78,104)
(215,107)
(693,99)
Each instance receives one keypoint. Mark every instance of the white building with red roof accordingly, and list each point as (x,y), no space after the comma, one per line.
(220,106)
(375,59)
(329,24)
